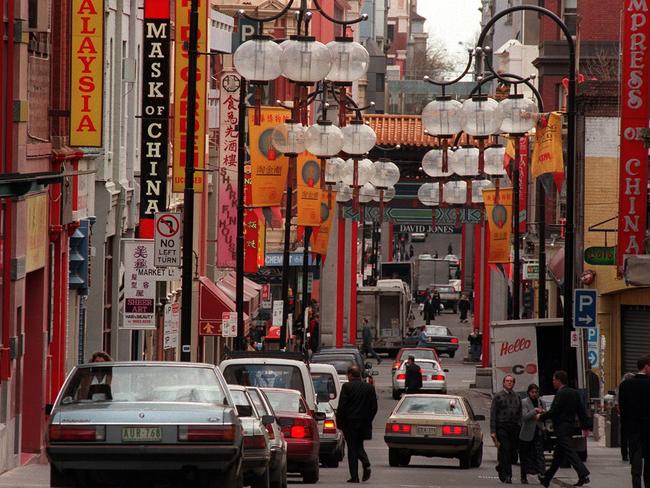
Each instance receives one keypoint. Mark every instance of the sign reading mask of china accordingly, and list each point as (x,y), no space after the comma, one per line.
(635,100)
(154,113)
(87,73)
(180,95)
(498,212)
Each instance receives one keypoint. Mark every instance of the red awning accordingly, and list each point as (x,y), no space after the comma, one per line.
(251,295)
(213,302)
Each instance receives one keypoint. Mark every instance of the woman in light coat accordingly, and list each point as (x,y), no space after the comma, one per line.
(531,437)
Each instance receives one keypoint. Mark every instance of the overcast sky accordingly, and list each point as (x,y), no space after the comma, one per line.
(452,21)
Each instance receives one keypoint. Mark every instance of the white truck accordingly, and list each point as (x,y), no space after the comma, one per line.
(387,306)
(429,271)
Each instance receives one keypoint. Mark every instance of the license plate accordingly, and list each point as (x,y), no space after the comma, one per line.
(426,430)
(141,434)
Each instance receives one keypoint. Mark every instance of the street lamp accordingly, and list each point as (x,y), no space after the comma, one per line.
(386,176)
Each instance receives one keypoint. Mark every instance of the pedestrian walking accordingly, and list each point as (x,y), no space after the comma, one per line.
(634,403)
(437,303)
(566,405)
(531,435)
(625,443)
(475,340)
(505,425)
(354,415)
(463,307)
(314,334)
(368,350)
(429,311)
(413,380)
(423,339)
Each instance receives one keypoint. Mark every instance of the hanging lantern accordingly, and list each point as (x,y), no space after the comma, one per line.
(324,139)
(464,161)
(519,114)
(443,117)
(258,59)
(455,192)
(343,192)
(367,193)
(350,60)
(494,156)
(358,138)
(481,116)
(429,194)
(305,60)
(386,174)
(477,189)
(432,164)
(332,170)
(289,138)
(365,171)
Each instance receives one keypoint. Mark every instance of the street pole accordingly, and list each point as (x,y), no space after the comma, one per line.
(306,299)
(541,301)
(516,273)
(285,255)
(239,272)
(188,193)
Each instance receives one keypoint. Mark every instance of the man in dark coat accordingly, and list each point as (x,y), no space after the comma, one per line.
(356,411)
(368,350)
(428,311)
(634,404)
(436,302)
(413,380)
(566,405)
(505,424)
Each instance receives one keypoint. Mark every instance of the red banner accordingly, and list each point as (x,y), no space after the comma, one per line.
(523,184)
(635,98)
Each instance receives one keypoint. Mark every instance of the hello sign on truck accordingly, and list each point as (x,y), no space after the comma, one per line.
(514,352)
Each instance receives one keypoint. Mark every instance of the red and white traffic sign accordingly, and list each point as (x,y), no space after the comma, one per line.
(167,240)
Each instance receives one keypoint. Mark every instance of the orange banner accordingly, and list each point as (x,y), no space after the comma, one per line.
(320,240)
(269,167)
(309,192)
(499,215)
(547,153)
(180,95)
(87,73)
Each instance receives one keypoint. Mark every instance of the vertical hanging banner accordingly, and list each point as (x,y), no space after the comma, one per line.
(154,114)
(251,241)
(320,240)
(229,88)
(269,168)
(309,192)
(499,216)
(635,98)
(523,184)
(87,73)
(547,153)
(180,95)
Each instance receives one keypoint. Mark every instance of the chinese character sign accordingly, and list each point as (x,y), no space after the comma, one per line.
(320,238)
(309,192)
(499,215)
(139,288)
(251,241)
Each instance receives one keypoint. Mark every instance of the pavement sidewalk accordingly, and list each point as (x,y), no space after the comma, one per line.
(27,476)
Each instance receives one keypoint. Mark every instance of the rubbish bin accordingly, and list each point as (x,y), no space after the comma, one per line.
(613,423)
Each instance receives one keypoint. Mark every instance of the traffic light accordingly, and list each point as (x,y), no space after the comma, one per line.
(79,247)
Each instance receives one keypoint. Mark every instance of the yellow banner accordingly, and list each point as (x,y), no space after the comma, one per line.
(269,168)
(547,153)
(37,235)
(499,215)
(309,192)
(180,95)
(87,73)
(320,240)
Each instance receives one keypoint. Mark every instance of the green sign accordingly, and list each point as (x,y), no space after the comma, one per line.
(444,216)
(531,270)
(600,255)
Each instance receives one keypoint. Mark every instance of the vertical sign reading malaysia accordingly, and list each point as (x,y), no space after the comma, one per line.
(87,73)
(180,94)
(635,98)
(155,114)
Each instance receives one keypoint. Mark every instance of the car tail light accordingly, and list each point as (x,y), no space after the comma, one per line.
(298,429)
(437,377)
(398,428)
(206,433)
(397,364)
(371,380)
(454,340)
(269,429)
(77,433)
(454,430)
(401,376)
(329,427)
(254,442)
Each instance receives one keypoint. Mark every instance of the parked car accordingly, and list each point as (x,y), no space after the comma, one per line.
(277,443)
(332,443)
(272,371)
(300,430)
(433,377)
(345,357)
(417,353)
(257,454)
(440,338)
(434,426)
(326,383)
(122,422)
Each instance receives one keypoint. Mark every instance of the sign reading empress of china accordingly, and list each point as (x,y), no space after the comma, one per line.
(87,73)
(155,112)
(635,99)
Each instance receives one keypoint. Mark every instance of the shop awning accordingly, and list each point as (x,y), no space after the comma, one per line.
(213,302)
(251,296)
(636,270)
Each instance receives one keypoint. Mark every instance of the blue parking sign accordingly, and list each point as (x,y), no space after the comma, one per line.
(584,308)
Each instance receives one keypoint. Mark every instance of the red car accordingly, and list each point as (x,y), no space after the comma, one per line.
(300,430)
(417,352)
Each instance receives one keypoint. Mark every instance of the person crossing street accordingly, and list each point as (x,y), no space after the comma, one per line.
(368,350)
(505,421)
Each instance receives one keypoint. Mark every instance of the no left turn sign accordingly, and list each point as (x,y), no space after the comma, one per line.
(167,240)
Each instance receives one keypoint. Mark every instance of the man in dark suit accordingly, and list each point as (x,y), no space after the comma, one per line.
(413,380)
(566,405)
(356,411)
(634,404)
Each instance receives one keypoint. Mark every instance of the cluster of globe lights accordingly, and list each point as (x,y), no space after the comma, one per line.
(480,117)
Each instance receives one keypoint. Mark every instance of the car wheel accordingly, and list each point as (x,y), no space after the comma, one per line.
(396,395)
(61,480)
(477,457)
(331,461)
(262,481)
(393,457)
(342,452)
(466,459)
(279,477)
(234,478)
(404,458)
(311,476)
(452,354)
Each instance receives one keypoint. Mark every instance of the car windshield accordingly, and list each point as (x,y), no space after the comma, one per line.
(286,402)
(163,383)
(340,362)
(260,406)
(445,289)
(418,354)
(265,376)
(437,406)
(324,386)
(436,330)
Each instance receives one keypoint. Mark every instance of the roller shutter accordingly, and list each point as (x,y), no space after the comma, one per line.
(635,331)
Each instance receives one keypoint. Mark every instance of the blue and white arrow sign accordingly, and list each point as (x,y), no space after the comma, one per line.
(584,308)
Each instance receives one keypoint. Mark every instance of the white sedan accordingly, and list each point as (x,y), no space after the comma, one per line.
(434,377)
